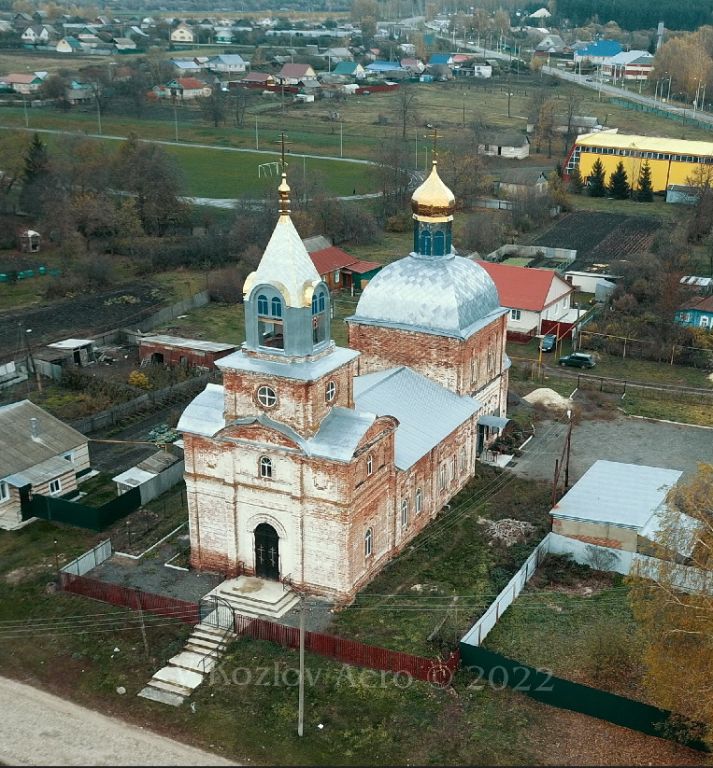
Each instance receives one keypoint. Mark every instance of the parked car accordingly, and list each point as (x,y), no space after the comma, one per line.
(548,342)
(578,360)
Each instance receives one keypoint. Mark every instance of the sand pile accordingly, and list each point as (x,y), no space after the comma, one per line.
(549,399)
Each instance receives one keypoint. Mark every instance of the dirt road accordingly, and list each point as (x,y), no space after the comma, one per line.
(41,729)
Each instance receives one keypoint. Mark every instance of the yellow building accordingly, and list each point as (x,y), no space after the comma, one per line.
(672,161)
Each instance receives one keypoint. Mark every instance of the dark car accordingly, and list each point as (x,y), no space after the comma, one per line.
(548,342)
(578,360)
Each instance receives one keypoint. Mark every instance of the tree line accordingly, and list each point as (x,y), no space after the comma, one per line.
(632,14)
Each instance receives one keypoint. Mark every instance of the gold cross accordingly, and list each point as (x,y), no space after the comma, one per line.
(434,139)
(283,142)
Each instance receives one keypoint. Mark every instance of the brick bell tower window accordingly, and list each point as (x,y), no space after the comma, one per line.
(330,392)
(269,320)
(319,319)
(267,397)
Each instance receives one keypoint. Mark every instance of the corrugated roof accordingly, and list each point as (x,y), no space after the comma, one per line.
(522,287)
(340,433)
(621,494)
(360,267)
(191,83)
(204,414)
(195,344)
(427,412)
(71,343)
(645,143)
(698,304)
(328,259)
(18,450)
(40,473)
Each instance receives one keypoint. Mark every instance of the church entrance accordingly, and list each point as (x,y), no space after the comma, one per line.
(267,556)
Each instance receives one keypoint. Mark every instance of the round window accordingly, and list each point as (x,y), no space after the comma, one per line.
(266,396)
(330,392)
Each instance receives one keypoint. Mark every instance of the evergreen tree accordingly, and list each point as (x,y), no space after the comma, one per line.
(619,183)
(645,191)
(576,185)
(35,175)
(597,184)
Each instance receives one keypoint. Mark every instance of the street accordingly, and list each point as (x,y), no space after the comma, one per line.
(41,729)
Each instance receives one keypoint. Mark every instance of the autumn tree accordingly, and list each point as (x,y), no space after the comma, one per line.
(597,183)
(672,600)
(545,128)
(619,183)
(644,187)
(405,106)
(215,106)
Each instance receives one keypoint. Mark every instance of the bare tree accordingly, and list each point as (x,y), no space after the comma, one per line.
(405,107)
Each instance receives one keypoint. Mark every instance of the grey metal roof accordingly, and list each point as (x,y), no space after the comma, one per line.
(426,411)
(204,414)
(308,370)
(339,434)
(158,461)
(450,296)
(71,343)
(685,536)
(621,494)
(493,421)
(40,473)
(134,477)
(177,341)
(18,450)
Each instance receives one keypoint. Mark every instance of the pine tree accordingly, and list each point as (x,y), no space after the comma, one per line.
(576,185)
(35,173)
(645,191)
(597,185)
(619,183)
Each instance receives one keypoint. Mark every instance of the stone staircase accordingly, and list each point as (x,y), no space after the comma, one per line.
(254,597)
(186,671)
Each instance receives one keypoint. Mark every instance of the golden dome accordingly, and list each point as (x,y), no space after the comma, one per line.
(433,199)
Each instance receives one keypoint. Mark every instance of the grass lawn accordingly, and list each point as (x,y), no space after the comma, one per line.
(413,595)
(214,322)
(700,414)
(576,623)
(659,208)
(98,489)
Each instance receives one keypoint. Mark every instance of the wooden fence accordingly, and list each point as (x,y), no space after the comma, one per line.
(162,605)
(353,652)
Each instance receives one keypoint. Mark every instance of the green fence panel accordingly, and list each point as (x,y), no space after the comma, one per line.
(75,513)
(501,672)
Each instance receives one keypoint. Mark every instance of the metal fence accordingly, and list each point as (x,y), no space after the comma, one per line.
(353,652)
(90,559)
(76,513)
(161,605)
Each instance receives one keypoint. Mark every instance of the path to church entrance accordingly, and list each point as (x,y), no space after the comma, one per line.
(628,440)
(42,729)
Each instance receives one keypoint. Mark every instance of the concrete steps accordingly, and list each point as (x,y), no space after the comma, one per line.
(185,672)
(270,600)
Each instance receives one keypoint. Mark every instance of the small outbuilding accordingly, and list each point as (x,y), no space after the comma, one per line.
(153,476)
(29,240)
(174,350)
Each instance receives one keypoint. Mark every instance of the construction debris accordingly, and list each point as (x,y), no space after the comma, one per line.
(509,531)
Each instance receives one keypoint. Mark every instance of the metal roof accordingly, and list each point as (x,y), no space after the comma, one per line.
(340,433)
(195,344)
(684,536)
(498,422)
(18,450)
(620,494)
(645,143)
(40,473)
(134,477)
(427,412)
(204,414)
(307,370)
(448,296)
(71,343)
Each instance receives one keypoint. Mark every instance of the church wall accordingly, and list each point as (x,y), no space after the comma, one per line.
(301,405)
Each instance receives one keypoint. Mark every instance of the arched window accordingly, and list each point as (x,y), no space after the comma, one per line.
(319,319)
(262,305)
(266,467)
(369,464)
(425,245)
(419,500)
(404,513)
(330,392)
(439,244)
(368,542)
(266,396)
(321,301)
(276,307)
(315,306)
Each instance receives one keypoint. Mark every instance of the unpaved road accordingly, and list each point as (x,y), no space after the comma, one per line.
(38,728)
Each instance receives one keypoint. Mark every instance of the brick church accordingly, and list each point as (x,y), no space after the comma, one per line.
(319,463)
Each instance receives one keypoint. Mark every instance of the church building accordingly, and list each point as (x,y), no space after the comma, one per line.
(316,464)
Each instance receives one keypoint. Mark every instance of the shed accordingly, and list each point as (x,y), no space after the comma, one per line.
(612,503)
(81,351)
(153,476)
(512,144)
(522,180)
(175,350)
(29,240)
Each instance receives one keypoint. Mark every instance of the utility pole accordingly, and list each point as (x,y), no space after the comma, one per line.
(569,447)
(143,626)
(301,704)
(257,137)
(175,120)
(24,104)
(341,138)
(31,362)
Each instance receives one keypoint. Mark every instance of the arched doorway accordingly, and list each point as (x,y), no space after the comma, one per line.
(267,554)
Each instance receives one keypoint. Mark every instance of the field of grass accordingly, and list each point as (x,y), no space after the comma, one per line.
(635,404)
(214,322)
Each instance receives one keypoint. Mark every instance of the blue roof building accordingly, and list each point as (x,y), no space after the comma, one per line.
(598,51)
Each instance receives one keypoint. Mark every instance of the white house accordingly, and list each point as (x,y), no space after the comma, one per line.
(227,63)
(37,34)
(512,144)
(38,454)
(182,34)
(531,294)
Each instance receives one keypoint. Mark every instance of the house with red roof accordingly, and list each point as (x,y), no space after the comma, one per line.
(538,299)
(257,80)
(189,88)
(340,270)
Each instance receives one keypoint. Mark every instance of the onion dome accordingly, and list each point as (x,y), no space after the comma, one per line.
(433,200)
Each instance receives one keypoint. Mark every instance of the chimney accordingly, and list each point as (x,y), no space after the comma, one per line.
(34,428)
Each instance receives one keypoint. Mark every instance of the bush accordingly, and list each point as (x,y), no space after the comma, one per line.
(400,222)
(226,285)
(139,379)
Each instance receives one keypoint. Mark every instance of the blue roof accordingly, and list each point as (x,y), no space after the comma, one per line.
(427,412)
(228,58)
(384,66)
(345,68)
(601,48)
(440,58)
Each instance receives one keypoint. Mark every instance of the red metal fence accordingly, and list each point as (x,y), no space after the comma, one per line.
(351,651)
(115,594)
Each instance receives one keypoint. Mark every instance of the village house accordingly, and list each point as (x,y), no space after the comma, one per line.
(68,45)
(38,34)
(294,74)
(413,65)
(227,64)
(339,270)
(38,454)
(258,80)
(182,34)
(349,69)
(187,88)
(534,296)
(696,312)
(521,181)
(502,143)
(316,464)
(24,84)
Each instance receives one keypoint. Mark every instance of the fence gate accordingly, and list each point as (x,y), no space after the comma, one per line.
(216,612)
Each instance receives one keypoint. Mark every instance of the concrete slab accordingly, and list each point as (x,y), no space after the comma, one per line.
(163,697)
(196,662)
(182,677)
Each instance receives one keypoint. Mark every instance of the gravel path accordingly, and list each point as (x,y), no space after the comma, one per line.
(41,729)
